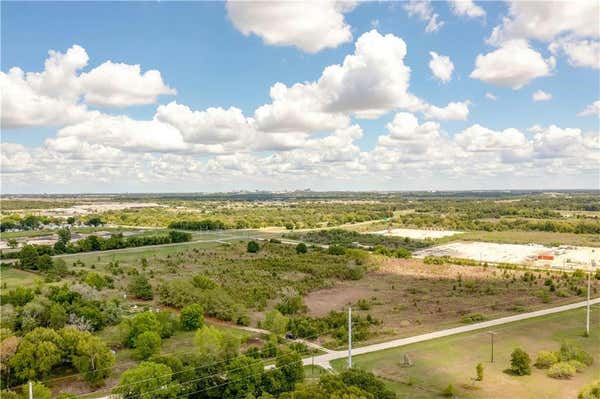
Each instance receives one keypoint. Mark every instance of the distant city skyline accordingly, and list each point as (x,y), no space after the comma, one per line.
(228,96)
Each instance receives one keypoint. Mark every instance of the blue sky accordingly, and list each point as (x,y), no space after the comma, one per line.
(201,52)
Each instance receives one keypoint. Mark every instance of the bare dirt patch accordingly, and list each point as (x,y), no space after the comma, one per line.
(409,296)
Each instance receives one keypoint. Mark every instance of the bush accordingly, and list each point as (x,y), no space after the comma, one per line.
(590,391)
(140,288)
(253,247)
(562,370)
(336,250)
(147,344)
(520,362)
(449,391)
(402,253)
(473,318)
(192,317)
(301,248)
(545,359)
(572,352)
(579,367)
(479,371)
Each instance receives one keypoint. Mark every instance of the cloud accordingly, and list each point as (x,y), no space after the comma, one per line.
(557,142)
(122,85)
(580,53)
(424,11)
(212,126)
(513,65)
(53,97)
(545,20)
(510,144)
(297,108)
(541,95)
(592,109)
(311,26)
(23,106)
(490,96)
(441,66)
(466,8)
(453,111)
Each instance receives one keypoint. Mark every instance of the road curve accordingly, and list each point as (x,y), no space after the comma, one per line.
(324,360)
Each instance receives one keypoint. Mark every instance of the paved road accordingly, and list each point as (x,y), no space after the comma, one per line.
(324,360)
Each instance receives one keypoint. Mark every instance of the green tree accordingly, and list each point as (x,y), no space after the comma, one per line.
(147,344)
(147,380)
(64,236)
(545,359)
(28,257)
(94,221)
(140,288)
(38,352)
(58,316)
(291,367)
(479,371)
(275,322)
(301,248)
(520,362)
(71,220)
(192,317)
(93,359)
(253,247)
(244,376)
(12,243)
(140,323)
(449,391)
(212,344)
(38,390)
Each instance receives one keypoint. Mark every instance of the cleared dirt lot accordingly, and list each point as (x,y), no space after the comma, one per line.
(410,297)
(418,234)
(562,256)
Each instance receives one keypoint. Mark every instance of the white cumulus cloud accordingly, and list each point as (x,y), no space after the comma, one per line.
(513,65)
(466,8)
(122,85)
(441,66)
(311,26)
(592,109)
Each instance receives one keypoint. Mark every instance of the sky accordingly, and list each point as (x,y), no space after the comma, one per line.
(226,96)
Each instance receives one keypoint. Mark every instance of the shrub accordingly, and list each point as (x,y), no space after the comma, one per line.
(473,318)
(572,352)
(479,371)
(545,359)
(301,248)
(579,367)
(253,247)
(520,362)
(562,370)
(192,317)
(402,253)
(147,344)
(590,391)
(449,391)
(140,288)
(336,250)
(203,282)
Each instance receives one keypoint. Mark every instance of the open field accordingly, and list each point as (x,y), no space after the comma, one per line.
(536,237)
(418,234)
(410,297)
(12,278)
(452,360)
(562,257)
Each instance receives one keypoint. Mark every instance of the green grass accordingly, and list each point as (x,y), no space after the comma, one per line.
(452,360)
(17,278)
(526,237)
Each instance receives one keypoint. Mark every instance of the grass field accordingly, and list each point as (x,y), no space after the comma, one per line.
(452,360)
(526,237)
(17,278)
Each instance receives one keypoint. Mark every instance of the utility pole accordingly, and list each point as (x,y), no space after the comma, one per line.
(587,322)
(30,390)
(492,338)
(350,337)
